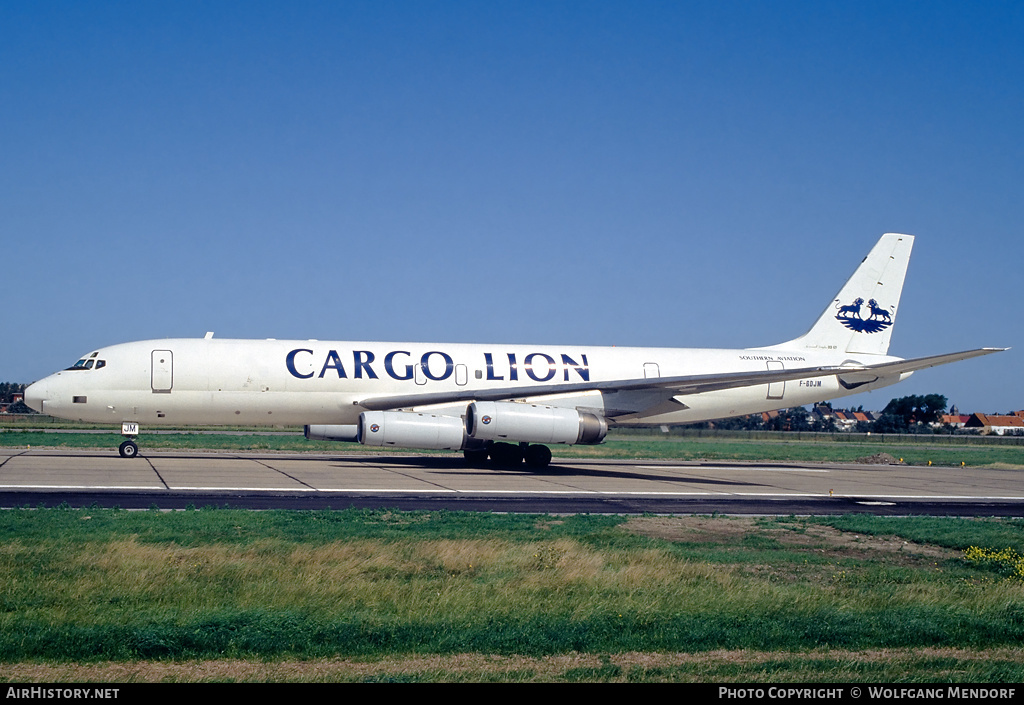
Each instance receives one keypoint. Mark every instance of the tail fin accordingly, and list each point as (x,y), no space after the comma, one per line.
(860,319)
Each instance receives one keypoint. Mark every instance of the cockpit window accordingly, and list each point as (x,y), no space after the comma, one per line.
(86,363)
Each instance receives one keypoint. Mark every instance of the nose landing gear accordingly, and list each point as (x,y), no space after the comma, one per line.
(129,449)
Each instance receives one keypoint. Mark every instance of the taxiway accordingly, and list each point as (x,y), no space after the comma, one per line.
(177,479)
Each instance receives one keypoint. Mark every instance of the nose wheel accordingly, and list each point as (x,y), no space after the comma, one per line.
(130,431)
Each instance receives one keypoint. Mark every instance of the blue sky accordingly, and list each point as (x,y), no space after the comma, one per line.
(693,174)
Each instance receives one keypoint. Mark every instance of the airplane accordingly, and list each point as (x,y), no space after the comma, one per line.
(506,403)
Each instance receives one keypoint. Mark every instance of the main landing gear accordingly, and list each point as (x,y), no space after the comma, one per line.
(511,455)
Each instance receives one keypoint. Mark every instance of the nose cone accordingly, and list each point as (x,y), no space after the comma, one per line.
(35,395)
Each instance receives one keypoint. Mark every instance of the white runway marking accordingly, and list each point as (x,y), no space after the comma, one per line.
(718,467)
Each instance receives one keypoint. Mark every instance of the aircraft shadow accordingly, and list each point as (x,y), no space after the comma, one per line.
(458,467)
(450,466)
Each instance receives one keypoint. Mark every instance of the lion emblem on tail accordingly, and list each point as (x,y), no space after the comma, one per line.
(849,316)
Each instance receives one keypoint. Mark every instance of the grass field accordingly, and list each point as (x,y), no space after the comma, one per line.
(375,595)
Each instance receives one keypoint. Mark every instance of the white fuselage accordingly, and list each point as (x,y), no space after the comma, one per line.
(505,402)
(290,382)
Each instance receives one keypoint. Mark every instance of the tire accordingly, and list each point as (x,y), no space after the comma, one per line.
(128,449)
(537,456)
(506,455)
(475,458)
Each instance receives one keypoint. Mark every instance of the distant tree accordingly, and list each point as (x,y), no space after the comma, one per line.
(910,414)
(736,423)
(888,423)
(825,424)
(795,419)
(8,390)
(866,427)
(799,419)
(753,422)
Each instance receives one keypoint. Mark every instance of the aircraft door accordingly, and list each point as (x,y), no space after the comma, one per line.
(162,371)
(651,370)
(776,390)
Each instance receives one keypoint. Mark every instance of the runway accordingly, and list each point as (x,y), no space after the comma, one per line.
(263,480)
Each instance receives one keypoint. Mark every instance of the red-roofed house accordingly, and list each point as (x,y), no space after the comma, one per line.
(996,424)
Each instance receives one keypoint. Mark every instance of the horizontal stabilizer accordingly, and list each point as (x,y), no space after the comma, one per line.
(887,369)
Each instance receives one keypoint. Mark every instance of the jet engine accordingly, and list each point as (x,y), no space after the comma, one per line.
(332,432)
(533,423)
(409,429)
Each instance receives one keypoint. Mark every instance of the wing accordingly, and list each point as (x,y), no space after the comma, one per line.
(849,375)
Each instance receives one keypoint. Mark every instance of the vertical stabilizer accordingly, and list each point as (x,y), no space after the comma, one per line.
(860,318)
